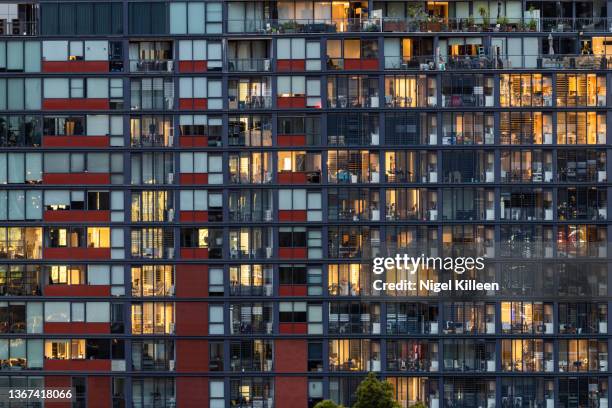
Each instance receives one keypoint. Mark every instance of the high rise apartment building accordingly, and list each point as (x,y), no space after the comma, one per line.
(192,194)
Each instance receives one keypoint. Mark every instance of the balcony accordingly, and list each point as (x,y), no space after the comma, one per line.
(425,24)
(248,65)
(154,65)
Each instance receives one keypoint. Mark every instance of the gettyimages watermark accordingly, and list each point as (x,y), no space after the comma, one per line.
(406,265)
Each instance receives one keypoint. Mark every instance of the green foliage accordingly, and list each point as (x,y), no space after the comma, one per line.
(327,404)
(418,405)
(373,393)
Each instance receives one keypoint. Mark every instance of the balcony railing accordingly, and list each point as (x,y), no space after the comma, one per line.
(426,24)
(151,65)
(502,62)
(17,27)
(249,65)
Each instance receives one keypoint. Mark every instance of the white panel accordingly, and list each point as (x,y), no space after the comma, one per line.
(178,17)
(98,312)
(513,10)
(56,88)
(283,48)
(186,87)
(298,48)
(199,87)
(96,50)
(195,18)
(97,125)
(116,200)
(55,50)
(199,50)
(185,50)
(462,9)
(97,88)
(57,197)
(530,45)
(515,52)
(98,275)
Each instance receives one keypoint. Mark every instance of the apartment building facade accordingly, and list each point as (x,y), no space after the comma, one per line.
(192,194)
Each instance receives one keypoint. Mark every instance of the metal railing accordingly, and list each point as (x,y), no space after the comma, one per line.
(425,24)
(248,65)
(141,65)
(501,62)
(17,27)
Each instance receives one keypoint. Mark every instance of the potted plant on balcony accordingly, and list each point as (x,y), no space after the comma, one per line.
(471,23)
(415,16)
(434,24)
(533,24)
(502,23)
(291,26)
(486,21)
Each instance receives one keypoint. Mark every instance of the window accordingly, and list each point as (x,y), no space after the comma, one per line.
(19,130)
(250,280)
(525,90)
(20,56)
(201,50)
(195,18)
(20,242)
(152,93)
(20,205)
(467,90)
(20,93)
(215,319)
(301,199)
(581,128)
(153,318)
(581,90)
(81,19)
(152,280)
(404,91)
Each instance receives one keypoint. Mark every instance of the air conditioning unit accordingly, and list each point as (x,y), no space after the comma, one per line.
(171,214)
(171,365)
(268,289)
(172,328)
(267,65)
(268,215)
(170,291)
(268,252)
(170,178)
(171,140)
(170,253)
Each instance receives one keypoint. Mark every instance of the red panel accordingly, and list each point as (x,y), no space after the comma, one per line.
(75,66)
(185,66)
(290,356)
(193,141)
(194,253)
(291,140)
(200,66)
(298,65)
(292,215)
(191,392)
(292,253)
(293,328)
(193,216)
(283,65)
(293,290)
(75,103)
(193,103)
(76,216)
(99,392)
(77,365)
(76,328)
(358,64)
(291,102)
(200,103)
(292,177)
(292,391)
(191,355)
(75,141)
(371,63)
(193,178)
(76,178)
(77,253)
(77,290)
(191,280)
(191,318)
(56,381)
